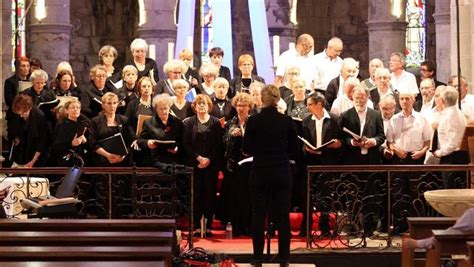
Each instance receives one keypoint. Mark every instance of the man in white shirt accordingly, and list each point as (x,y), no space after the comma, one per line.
(451,128)
(401,80)
(328,64)
(409,134)
(374,64)
(387,107)
(300,57)
(467,100)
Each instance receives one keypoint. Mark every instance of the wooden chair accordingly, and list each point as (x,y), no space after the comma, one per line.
(469,260)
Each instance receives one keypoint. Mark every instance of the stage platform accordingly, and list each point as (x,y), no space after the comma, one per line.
(376,253)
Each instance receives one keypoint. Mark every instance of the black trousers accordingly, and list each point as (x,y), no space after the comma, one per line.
(454,179)
(270,191)
(205,186)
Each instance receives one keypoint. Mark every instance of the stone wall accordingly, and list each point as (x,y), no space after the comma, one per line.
(98,23)
(345,19)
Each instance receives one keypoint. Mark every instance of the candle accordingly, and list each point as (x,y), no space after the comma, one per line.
(152,51)
(170,51)
(291,46)
(276,49)
(190,46)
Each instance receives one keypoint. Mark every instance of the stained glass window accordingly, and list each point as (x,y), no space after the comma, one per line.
(18,30)
(416,32)
(206,29)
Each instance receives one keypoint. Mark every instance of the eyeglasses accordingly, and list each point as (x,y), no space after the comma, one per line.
(101,76)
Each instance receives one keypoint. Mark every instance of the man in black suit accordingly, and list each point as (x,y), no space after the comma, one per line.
(350,68)
(270,138)
(368,124)
(319,128)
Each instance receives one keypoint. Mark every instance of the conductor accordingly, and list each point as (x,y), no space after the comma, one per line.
(270,138)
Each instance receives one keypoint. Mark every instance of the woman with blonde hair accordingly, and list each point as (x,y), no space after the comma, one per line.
(242,82)
(91,103)
(71,137)
(107,124)
(181,108)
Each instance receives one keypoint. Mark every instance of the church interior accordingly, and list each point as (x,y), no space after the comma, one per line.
(133,133)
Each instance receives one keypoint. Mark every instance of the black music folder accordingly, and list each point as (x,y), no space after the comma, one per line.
(114,144)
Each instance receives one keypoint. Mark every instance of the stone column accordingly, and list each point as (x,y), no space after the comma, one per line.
(465,30)
(443,45)
(5,62)
(49,38)
(159,28)
(387,33)
(278,20)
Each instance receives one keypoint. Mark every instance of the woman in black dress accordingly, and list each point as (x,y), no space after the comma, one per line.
(242,82)
(145,66)
(163,133)
(202,142)
(236,189)
(64,85)
(107,55)
(181,108)
(105,125)
(71,137)
(142,104)
(222,107)
(29,133)
(129,90)
(91,103)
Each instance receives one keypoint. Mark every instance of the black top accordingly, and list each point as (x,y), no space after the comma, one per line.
(233,144)
(224,72)
(100,131)
(135,108)
(150,65)
(126,95)
(73,91)
(91,100)
(34,134)
(202,140)
(10,89)
(155,129)
(236,85)
(270,138)
(222,108)
(331,92)
(115,77)
(64,134)
(183,113)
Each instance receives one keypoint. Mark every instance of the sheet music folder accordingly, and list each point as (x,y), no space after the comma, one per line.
(114,144)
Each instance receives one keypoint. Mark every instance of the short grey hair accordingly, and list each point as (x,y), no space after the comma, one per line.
(163,98)
(382,71)
(174,64)
(39,73)
(181,82)
(428,81)
(256,86)
(388,99)
(401,56)
(450,96)
(208,68)
(139,43)
(220,81)
(349,62)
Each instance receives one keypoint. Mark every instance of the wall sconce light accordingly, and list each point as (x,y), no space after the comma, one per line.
(40,10)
